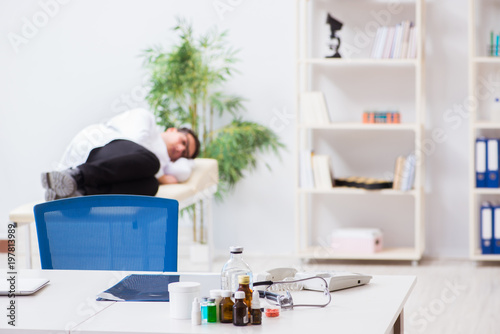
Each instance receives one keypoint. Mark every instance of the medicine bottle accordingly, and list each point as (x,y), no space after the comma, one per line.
(244,285)
(226,307)
(233,268)
(216,294)
(240,310)
(211,310)
(256,312)
(204,314)
(196,312)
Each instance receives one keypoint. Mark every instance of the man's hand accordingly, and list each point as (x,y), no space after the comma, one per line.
(167,179)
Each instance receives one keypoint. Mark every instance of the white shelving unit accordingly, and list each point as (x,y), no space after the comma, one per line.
(483,18)
(350,84)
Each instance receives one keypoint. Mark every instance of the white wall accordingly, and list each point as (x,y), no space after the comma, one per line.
(82,66)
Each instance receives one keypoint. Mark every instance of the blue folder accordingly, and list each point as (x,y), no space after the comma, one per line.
(481,162)
(486,212)
(492,147)
(496,229)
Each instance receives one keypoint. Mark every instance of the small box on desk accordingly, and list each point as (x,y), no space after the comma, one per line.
(357,240)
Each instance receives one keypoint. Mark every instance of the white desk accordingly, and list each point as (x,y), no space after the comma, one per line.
(58,307)
(374,308)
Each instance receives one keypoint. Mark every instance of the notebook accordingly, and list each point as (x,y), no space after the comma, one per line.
(25,286)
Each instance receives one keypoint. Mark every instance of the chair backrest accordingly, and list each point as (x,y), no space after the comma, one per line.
(108,232)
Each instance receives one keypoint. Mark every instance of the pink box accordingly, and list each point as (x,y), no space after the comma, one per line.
(356,240)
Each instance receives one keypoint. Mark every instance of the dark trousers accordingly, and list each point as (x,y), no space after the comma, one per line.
(120,167)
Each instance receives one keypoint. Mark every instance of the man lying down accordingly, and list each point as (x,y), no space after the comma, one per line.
(129,154)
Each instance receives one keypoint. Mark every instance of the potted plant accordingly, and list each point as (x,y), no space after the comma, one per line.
(186,88)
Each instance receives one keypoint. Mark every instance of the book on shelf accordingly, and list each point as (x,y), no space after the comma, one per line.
(371,117)
(404,172)
(321,171)
(408,173)
(306,173)
(378,47)
(396,42)
(405,40)
(412,47)
(388,42)
(398,172)
(376,42)
(493,47)
(313,108)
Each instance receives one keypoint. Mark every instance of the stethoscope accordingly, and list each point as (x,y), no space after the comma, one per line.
(286,301)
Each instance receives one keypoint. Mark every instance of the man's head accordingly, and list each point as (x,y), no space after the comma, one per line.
(181,143)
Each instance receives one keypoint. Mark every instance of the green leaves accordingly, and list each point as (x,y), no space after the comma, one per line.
(221,102)
(186,89)
(235,146)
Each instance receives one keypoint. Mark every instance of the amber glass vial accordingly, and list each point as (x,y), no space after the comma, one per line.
(244,285)
(226,307)
(256,316)
(240,310)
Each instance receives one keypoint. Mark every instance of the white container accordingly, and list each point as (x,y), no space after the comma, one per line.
(357,240)
(181,295)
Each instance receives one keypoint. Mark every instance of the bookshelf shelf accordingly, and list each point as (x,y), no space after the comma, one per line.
(486,125)
(359,62)
(483,19)
(324,253)
(347,86)
(486,191)
(355,191)
(486,60)
(477,256)
(362,127)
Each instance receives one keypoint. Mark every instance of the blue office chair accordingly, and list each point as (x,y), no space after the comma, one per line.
(108,232)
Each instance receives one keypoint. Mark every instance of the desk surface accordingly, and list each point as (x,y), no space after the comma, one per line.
(59,308)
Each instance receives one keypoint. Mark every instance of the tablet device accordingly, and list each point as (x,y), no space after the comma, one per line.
(25,286)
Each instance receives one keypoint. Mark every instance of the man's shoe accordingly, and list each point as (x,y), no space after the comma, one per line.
(62,183)
(50,195)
